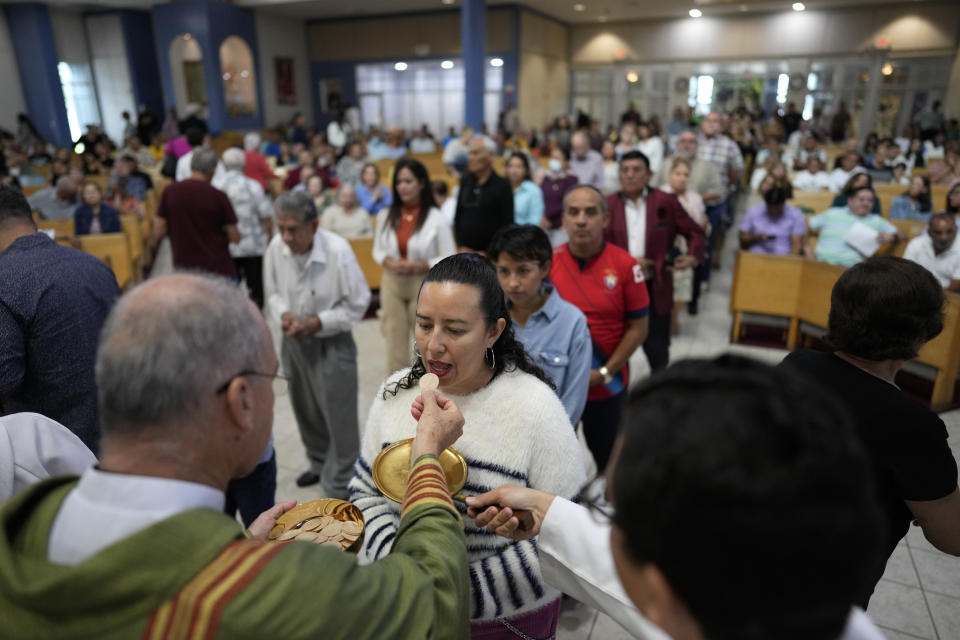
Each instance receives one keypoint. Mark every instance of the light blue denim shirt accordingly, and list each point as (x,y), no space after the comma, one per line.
(557,339)
(527,204)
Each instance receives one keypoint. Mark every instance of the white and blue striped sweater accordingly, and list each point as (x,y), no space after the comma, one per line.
(516,432)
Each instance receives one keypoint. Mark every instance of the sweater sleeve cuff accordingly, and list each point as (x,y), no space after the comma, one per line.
(427,484)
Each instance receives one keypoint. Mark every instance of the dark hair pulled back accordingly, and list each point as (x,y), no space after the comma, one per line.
(475,270)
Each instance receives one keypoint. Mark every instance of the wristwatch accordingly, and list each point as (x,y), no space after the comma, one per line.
(607,376)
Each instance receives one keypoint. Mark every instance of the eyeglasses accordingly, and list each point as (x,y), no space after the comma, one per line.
(226,385)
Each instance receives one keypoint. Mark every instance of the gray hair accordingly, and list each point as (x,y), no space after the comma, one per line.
(65,184)
(234,159)
(487,143)
(298,204)
(204,160)
(168,345)
(603,198)
(251,140)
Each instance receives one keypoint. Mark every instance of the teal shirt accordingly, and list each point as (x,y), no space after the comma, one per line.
(833,224)
(527,203)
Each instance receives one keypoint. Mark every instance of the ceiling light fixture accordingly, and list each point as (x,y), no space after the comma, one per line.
(695,13)
(579,7)
(446,1)
(887,69)
(496,62)
(446,64)
(632,76)
(400,66)
(799,6)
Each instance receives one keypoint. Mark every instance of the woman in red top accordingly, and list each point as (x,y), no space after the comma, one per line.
(411,237)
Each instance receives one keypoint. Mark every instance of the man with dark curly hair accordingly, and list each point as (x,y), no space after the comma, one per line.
(882,312)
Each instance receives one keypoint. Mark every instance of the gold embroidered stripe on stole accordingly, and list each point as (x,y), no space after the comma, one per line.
(195,611)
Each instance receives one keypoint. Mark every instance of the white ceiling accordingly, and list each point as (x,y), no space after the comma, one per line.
(595,10)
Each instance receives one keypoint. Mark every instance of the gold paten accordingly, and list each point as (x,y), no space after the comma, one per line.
(391,469)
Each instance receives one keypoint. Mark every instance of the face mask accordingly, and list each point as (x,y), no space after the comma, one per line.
(555,165)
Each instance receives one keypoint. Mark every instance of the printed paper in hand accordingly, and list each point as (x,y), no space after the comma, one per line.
(862,238)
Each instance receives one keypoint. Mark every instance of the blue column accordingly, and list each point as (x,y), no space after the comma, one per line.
(142,60)
(32,36)
(473,33)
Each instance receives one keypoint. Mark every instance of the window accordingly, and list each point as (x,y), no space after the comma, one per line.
(79,98)
(423,93)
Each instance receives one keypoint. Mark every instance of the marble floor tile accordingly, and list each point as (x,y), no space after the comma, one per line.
(901,608)
(939,572)
(946,615)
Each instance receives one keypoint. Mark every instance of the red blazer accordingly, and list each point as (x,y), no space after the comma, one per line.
(666,219)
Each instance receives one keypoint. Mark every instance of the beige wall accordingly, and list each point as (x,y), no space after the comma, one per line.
(951,104)
(927,27)
(398,36)
(282,37)
(544,71)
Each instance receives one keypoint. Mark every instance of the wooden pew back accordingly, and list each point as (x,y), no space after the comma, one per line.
(363,250)
(113,249)
(799,289)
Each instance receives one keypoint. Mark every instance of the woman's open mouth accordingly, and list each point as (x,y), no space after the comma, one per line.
(439,368)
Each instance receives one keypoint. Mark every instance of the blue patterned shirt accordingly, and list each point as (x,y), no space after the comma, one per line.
(53,303)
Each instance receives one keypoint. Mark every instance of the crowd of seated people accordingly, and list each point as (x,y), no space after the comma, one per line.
(552,223)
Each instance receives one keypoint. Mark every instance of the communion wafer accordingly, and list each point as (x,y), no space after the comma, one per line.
(309,536)
(429,381)
(288,535)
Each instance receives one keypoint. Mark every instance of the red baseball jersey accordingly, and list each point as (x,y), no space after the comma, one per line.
(609,289)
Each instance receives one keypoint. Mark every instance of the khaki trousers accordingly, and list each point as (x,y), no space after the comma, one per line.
(398,305)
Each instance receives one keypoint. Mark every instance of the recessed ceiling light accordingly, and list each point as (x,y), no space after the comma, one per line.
(695,13)
(446,1)
(446,64)
(632,76)
(799,6)
(887,69)
(496,62)
(400,66)
(579,7)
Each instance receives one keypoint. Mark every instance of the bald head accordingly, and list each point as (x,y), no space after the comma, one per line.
(169,344)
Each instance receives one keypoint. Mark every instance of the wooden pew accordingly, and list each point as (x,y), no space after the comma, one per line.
(799,290)
(130,226)
(99,179)
(62,229)
(29,190)
(363,250)
(113,249)
(812,201)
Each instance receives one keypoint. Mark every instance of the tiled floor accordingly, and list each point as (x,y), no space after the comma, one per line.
(919,596)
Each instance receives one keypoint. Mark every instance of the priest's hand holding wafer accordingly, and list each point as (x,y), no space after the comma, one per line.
(439,422)
(510,511)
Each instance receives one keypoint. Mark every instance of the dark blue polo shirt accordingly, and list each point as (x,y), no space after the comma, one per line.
(53,303)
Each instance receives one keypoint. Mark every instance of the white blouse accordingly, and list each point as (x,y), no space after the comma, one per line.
(431,243)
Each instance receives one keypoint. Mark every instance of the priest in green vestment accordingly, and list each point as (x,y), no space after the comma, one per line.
(138,547)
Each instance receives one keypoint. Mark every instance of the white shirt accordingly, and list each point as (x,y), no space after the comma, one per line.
(422,145)
(251,206)
(652,147)
(636,213)
(449,206)
(431,244)
(806,181)
(839,177)
(330,285)
(106,508)
(575,558)
(34,447)
(184,171)
(945,267)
